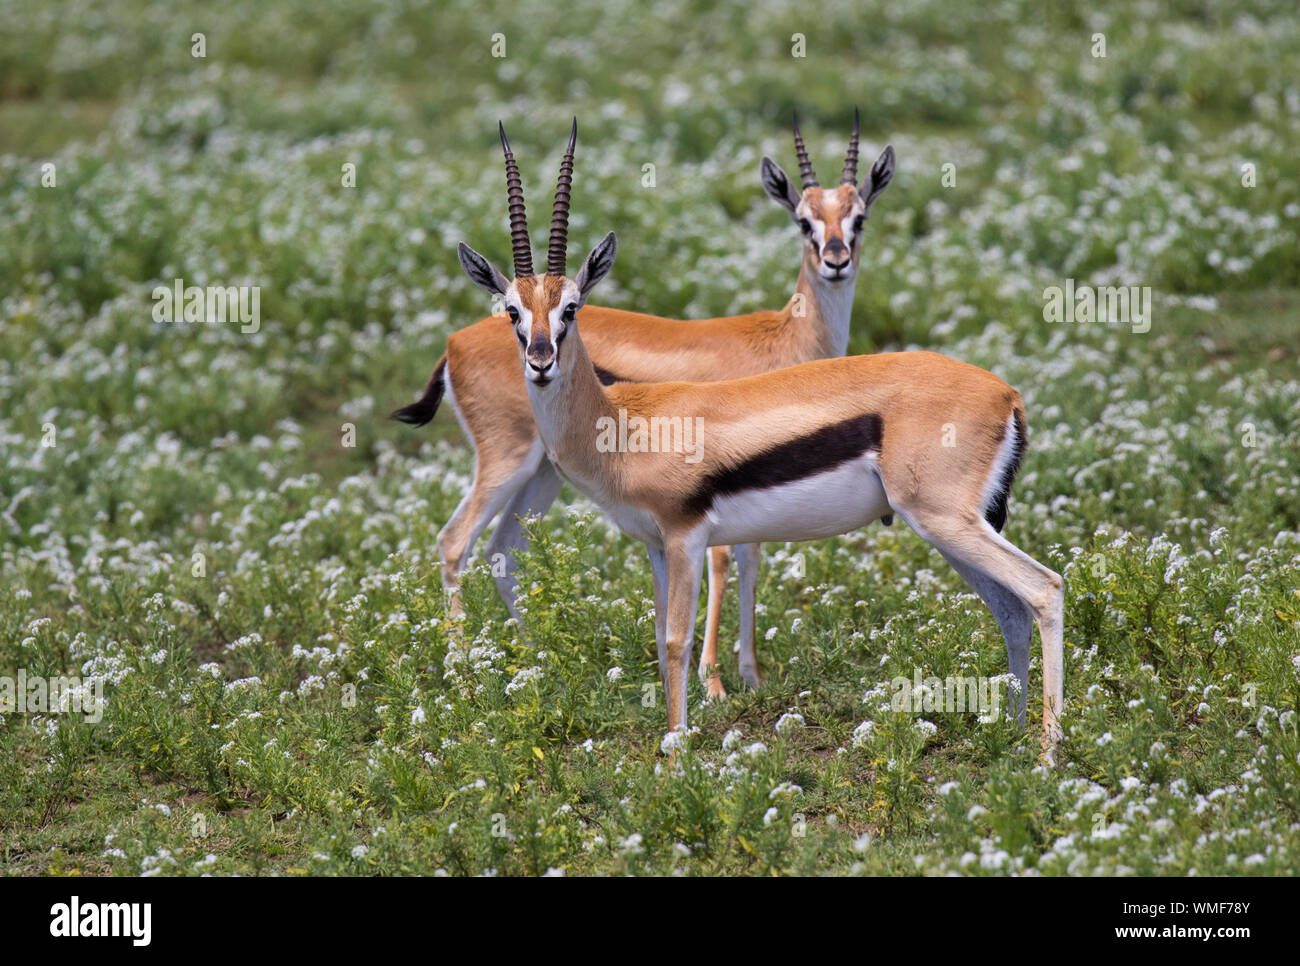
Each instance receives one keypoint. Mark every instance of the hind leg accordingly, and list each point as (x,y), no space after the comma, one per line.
(747,556)
(496,480)
(534,497)
(970,541)
(1014,619)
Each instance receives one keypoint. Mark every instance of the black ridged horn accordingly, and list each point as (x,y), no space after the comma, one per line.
(559,243)
(851,159)
(518,219)
(805,166)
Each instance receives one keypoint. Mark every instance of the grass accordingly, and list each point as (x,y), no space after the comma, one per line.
(261,605)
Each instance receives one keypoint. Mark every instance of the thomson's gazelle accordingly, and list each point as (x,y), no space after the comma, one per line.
(479,375)
(798,454)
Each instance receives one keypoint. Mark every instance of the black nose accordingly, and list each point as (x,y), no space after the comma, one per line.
(540,354)
(836,254)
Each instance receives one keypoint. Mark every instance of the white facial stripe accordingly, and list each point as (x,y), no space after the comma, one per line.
(846,227)
(568,296)
(818,226)
(525,326)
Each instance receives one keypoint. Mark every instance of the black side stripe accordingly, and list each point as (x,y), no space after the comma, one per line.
(797,459)
(606,377)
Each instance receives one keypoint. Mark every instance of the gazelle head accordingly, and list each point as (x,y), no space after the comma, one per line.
(831,219)
(543,309)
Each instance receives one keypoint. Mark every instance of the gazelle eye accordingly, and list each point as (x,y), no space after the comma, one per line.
(858,222)
(513,313)
(805,226)
(570,312)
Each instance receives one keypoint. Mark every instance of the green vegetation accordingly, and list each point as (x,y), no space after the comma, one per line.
(261,603)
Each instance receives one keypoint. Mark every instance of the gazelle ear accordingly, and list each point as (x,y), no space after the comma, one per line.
(777,184)
(597,266)
(882,172)
(480,271)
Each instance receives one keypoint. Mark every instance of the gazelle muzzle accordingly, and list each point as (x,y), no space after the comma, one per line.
(540,357)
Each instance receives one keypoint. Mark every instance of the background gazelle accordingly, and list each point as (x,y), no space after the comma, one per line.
(798,454)
(478,373)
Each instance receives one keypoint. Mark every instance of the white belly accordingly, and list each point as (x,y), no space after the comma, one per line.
(837,501)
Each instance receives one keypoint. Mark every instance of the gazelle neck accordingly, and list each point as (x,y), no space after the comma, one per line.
(827,308)
(566,411)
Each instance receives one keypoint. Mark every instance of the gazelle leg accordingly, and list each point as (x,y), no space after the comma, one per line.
(494,484)
(536,497)
(659,568)
(972,542)
(1015,620)
(747,557)
(685,558)
(457,538)
(719,565)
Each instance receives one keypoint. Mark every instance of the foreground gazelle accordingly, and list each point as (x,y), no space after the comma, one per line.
(799,454)
(478,375)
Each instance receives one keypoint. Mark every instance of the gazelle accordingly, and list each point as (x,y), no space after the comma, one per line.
(802,453)
(512,474)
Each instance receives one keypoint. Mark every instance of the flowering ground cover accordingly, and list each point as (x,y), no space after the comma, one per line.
(216,526)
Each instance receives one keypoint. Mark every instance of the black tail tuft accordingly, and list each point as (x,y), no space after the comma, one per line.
(424,409)
(996,512)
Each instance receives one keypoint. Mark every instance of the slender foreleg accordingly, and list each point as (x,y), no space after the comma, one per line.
(685,558)
(659,568)
(719,565)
